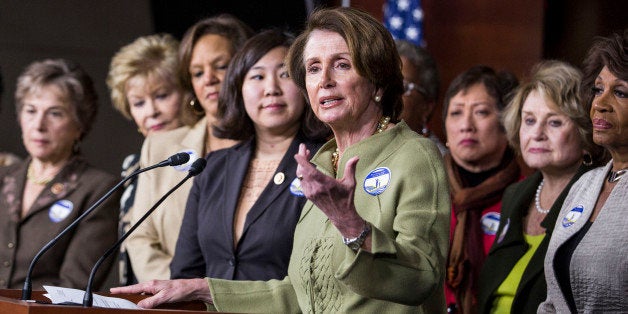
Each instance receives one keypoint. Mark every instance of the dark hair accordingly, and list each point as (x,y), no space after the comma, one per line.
(612,52)
(371,46)
(498,85)
(228,26)
(75,84)
(425,64)
(233,122)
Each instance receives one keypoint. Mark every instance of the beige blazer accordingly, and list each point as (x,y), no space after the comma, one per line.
(151,246)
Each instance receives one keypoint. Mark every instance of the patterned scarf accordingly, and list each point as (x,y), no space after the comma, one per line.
(466,255)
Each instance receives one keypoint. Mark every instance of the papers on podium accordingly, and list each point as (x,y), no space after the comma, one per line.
(59,295)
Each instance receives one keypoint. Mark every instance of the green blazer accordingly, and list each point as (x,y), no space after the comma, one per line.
(403,273)
(510,246)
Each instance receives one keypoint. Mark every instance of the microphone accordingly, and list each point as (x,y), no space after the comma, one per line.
(196,168)
(174,160)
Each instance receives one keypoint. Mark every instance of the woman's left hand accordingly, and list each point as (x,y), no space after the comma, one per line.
(168,291)
(333,197)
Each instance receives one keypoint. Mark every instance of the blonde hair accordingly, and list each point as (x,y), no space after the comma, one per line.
(558,82)
(153,56)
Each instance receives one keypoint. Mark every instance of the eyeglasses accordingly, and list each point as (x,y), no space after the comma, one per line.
(408,87)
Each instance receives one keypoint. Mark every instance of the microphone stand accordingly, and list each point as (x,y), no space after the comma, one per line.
(28,284)
(88,298)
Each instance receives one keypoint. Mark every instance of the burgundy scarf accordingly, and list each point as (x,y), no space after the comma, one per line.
(466,255)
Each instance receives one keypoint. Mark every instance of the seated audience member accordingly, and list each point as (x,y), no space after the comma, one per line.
(586,265)
(480,166)
(146,89)
(547,123)
(372,236)
(56,106)
(6,158)
(420,83)
(242,210)
(204,54)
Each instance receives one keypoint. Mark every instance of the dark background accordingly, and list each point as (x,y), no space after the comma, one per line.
(508,35)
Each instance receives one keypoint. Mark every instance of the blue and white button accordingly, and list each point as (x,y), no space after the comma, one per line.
(377,181)
(60,210)
(295,187)
(490,223)
(572,216)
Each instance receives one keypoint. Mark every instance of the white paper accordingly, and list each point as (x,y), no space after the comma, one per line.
(59,295)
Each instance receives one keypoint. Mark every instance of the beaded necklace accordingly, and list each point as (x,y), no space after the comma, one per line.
(537,199)
(30,176)
(381,126)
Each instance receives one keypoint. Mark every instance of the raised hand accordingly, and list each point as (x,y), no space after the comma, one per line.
(332,196)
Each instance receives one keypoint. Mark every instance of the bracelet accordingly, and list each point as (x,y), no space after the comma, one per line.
(356,243)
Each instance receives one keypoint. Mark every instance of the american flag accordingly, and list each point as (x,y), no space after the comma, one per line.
(404,20)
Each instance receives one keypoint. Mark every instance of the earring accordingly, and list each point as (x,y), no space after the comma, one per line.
(196,107)
(587,159)
(378,98)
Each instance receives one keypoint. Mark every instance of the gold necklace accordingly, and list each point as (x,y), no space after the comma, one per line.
(381,126)
(30,176)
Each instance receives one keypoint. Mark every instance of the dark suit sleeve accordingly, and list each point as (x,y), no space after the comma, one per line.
(188,261)
(93,236)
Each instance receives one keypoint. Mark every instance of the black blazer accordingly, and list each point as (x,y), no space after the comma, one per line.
(205,245)
(506,253)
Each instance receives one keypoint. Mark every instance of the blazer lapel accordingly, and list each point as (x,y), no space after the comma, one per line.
(588,200)
(195,138)
(61,186)
(13,190)
(519,200)
(238,164)
(535,266)
(288,167)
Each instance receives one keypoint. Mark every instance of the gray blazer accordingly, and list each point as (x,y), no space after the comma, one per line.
(599,265)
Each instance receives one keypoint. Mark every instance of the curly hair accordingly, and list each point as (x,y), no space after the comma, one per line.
(151,57)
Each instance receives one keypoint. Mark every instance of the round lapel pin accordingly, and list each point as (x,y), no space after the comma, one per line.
(279,178)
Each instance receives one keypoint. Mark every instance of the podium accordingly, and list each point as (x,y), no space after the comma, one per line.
(10,303)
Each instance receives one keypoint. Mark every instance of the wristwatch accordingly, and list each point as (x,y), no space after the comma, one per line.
(356,243)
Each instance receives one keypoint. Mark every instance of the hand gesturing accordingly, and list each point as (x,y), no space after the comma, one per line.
(332,196)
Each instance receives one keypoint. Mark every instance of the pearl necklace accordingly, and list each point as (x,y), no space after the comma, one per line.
(614,176)
(537,199)
(381,126)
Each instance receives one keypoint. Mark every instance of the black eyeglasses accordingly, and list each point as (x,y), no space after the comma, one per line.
(408,87)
